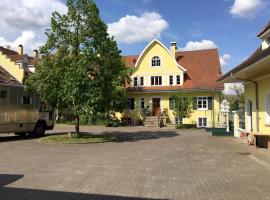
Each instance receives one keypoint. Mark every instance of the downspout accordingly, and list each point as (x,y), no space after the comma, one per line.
(213,108)
(256,99)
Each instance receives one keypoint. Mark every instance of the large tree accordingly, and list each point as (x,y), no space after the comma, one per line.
(81,67)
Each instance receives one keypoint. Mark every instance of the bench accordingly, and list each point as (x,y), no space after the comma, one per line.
(261,139)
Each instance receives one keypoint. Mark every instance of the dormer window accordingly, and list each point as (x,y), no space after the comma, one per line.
(156,61)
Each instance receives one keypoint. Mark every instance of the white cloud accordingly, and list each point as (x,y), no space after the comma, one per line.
(28,14)
(27,38)
(24,21)
(199,45)
(246,8)
(224,59)
(132,29)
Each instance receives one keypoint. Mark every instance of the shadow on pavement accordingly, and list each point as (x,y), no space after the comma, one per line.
(120,136)
(9,193)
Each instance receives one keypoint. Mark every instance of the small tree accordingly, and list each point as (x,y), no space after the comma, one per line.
(81,68)
(235,98)
(182,105)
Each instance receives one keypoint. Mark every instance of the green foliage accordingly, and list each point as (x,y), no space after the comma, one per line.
(185,126)
(76,139)
(182,105)
(236,98)
(81,69)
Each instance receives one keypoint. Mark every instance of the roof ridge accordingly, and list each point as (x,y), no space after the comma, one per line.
(181,51)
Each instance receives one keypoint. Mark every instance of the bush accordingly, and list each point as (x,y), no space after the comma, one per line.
(186,126)
(113,123)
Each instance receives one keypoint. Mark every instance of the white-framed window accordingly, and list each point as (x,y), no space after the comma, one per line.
(142,81)
(156,62)
(178,79)
(202,122)
(202,103)
(156,80)
(171,80)
(26,100)
(142,103)
(135,81)
(267,109)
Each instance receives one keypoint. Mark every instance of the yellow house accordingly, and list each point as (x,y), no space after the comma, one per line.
(17,63)
(159,72)
(255,74)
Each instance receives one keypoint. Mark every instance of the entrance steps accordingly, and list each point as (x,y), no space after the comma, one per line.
(151,121)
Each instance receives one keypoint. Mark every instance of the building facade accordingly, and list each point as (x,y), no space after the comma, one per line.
(159,72)
(255,74)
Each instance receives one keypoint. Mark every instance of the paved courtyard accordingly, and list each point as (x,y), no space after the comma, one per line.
(147,163)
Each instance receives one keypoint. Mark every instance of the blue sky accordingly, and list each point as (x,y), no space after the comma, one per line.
(232,31)
(229,25)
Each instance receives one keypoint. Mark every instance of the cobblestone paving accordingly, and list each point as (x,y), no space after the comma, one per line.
(148,163)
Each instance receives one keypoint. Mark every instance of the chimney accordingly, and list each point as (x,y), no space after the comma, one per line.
(173,48)
(35,53)
(20,49)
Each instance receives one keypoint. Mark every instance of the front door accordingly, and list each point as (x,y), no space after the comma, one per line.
(156,106)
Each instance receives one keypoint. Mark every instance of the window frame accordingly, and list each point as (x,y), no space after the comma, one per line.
(135,81)
(26,100)
(178,82)
(203,100)
(142,103)
(129,103)
(3,94)
(156,59)
(170,79)
(203,124)
(156,80)
(141,81)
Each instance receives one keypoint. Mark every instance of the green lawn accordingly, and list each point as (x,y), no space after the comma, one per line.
(82,139)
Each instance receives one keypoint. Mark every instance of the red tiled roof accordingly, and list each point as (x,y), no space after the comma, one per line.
(131,60)
(15,57)
(203,71)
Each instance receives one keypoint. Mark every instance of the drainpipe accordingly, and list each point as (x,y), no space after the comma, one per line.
(213,109)
(256,98)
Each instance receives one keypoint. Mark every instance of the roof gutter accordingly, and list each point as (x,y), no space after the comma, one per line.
(256,98)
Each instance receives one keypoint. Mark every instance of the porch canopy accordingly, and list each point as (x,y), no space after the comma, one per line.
(256,66)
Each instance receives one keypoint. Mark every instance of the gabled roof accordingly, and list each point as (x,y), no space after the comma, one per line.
(202,70)
(6,78)
(168,51)
(258,55)
(265,28)
(15,57)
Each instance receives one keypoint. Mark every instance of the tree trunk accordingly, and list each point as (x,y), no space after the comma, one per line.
(77,125)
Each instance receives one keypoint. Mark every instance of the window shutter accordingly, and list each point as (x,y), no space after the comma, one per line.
(194,103)
(132,106)
(171,104)
(210,103)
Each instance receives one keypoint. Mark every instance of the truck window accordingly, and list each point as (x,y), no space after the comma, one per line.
(26,100)
(3,94)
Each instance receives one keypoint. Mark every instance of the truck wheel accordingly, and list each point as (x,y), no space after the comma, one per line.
(39,130)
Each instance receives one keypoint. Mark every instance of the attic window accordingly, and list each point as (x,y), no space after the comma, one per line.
(156,61)
(268,40)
